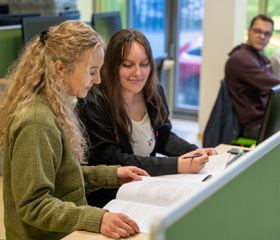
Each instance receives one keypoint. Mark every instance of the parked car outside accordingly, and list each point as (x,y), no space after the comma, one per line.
(189,70)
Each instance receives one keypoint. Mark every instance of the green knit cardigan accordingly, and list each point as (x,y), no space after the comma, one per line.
(43,185)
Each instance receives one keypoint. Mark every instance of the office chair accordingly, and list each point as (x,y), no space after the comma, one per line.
(244,142)
(223,126)
(159,64)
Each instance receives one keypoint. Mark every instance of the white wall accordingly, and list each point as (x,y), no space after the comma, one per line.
(86,9)
(223,27)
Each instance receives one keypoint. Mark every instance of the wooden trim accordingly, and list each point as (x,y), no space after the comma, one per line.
(4,81)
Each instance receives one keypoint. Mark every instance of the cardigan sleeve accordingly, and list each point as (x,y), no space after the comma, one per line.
(37,165)
(100,176)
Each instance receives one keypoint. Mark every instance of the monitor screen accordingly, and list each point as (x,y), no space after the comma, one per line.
(35,25)
(15,19)
(106,24)
(271,120)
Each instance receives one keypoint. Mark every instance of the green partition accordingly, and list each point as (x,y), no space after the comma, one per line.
(243,203)
(10,45)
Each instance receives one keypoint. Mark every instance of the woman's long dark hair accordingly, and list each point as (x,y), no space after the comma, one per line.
(117,52)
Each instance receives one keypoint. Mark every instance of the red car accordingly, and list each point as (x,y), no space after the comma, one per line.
(189,63)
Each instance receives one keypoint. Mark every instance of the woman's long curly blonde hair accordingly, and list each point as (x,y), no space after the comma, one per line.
(34,73)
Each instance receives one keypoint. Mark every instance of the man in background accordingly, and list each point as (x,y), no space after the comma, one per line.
(249,77)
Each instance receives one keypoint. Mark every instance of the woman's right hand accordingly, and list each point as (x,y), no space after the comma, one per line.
(117,225)
(192,165)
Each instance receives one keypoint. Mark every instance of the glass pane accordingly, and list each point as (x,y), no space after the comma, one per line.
(252,11)
(273,10)
(149,16)
(190,45)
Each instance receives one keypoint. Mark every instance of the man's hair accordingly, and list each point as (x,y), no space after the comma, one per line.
(264,18)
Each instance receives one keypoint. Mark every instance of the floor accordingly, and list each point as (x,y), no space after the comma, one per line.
(185,129)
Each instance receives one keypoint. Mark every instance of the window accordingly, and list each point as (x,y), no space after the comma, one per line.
(189,59)
(273,7)
(148,16)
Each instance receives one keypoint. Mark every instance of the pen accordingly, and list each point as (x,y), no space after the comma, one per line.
(193,156)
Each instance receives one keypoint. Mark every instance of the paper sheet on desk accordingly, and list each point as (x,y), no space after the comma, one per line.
(216,164)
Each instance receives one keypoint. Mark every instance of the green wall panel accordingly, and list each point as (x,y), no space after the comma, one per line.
(10,45)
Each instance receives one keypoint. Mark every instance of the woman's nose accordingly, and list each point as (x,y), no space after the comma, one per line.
(137,70)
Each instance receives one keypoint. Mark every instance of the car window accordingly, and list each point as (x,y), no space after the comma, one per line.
(195,51)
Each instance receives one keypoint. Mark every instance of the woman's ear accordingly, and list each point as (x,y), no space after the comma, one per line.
(59,67)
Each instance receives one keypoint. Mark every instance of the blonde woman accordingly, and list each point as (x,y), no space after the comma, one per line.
(43,144)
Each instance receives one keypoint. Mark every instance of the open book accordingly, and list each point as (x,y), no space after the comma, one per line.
(143,200)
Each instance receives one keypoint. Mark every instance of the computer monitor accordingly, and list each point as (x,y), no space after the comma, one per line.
(15,19)
(106,24)
(271,120)
(35,25)
(71,15)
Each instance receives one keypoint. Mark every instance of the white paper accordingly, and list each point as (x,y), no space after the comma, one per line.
(216,164)
(143,214)
(157,191)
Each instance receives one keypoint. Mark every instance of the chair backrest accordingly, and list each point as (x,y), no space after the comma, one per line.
(159,65)
(222,126)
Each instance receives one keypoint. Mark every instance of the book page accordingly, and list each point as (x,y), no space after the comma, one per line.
(157,191)
(142,214)
(199,177)
(216,164)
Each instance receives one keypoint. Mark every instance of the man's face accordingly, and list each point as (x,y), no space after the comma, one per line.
(259,34)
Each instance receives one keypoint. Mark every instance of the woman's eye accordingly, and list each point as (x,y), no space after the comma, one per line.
(127,65)
(92,73)
(145,64)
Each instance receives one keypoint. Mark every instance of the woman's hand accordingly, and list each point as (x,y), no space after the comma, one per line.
(117,225)
(130,173)
(195,164)
(210,151)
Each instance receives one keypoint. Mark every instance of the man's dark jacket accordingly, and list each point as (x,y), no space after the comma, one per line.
(249,77)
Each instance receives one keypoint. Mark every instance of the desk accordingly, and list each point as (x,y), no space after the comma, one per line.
(223,148)
(84,235)
(4,81)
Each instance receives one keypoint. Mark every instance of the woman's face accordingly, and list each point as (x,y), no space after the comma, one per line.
(135,70)
(86,73)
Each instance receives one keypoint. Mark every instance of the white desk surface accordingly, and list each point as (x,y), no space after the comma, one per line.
(83,235)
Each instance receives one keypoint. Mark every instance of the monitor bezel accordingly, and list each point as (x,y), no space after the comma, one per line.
(270,102)
(15,19)
(53,20)
(116,15)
